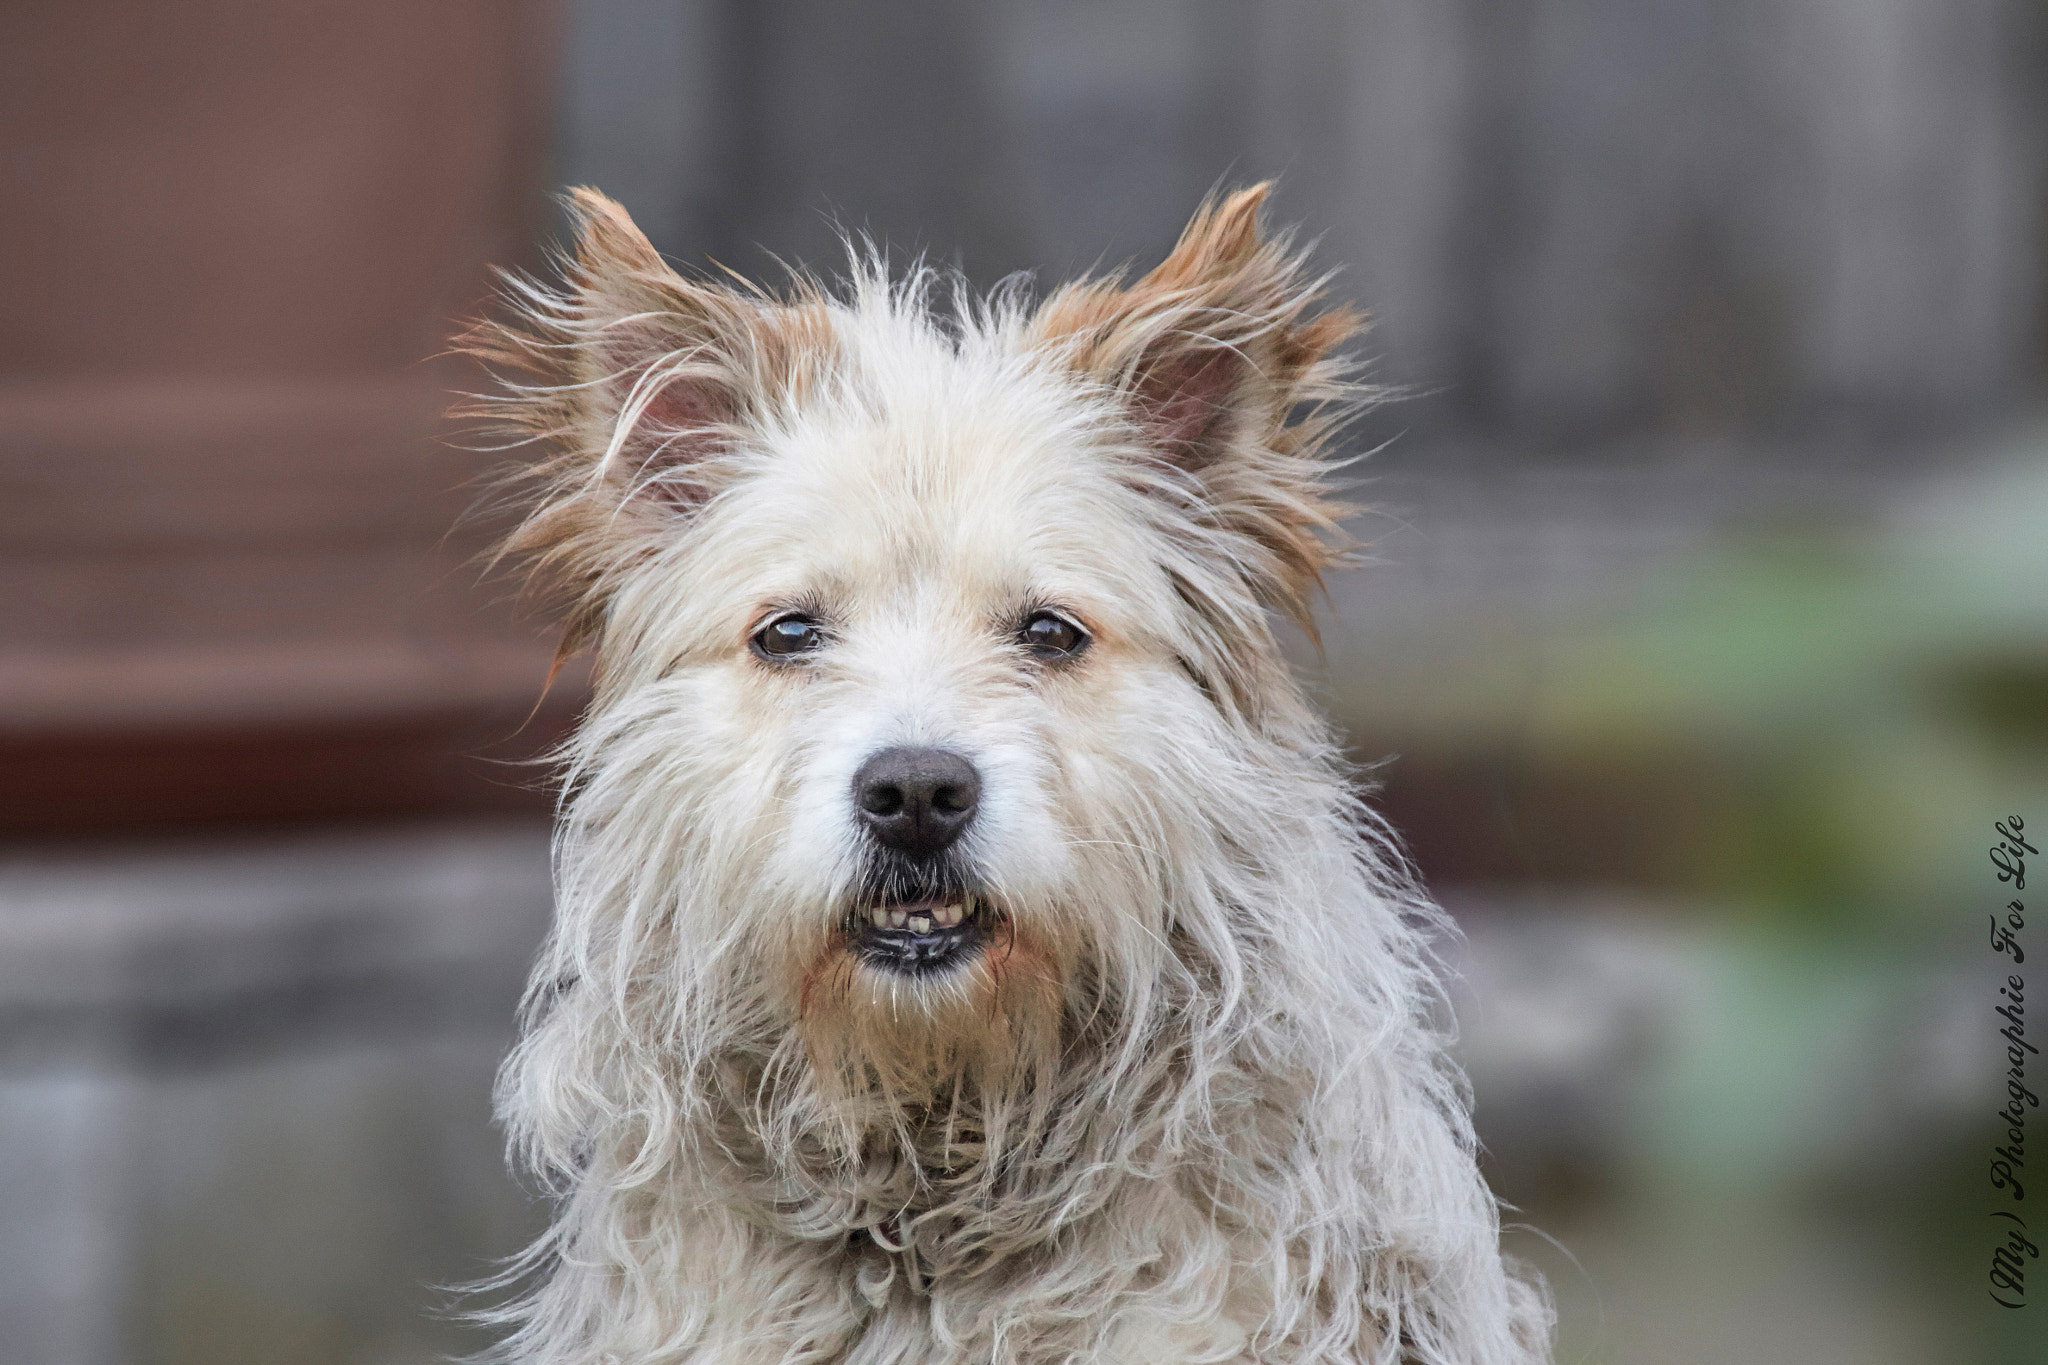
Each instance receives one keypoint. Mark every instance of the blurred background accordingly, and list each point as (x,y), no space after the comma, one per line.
(1705,632)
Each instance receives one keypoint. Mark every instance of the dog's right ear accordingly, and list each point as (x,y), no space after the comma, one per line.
(1221,361)
(634,386)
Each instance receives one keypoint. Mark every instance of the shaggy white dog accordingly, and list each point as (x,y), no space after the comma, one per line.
(968,948)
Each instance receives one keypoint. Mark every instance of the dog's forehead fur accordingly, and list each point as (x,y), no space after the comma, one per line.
(925,476)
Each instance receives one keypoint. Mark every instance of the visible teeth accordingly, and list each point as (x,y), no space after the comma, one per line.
(922,919)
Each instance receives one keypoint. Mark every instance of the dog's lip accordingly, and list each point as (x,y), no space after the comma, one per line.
(919,902)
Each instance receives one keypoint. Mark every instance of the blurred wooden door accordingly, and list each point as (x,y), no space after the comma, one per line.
(236,232)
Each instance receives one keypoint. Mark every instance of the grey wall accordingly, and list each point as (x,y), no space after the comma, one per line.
(1571,218)
(244,1093)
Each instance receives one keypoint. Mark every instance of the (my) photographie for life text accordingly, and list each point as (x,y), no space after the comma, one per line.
(2013,1247)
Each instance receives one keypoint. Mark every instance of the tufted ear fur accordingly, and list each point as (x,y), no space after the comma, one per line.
(1221,360)
(634,384)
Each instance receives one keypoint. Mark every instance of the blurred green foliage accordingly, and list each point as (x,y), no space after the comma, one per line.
(1815,721)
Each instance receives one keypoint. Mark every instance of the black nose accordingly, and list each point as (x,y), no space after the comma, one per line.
(916,801)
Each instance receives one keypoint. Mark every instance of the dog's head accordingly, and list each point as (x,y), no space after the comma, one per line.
(935,685)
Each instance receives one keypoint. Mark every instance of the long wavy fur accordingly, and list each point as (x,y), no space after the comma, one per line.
(1192,1102)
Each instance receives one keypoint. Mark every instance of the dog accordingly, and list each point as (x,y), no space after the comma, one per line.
(968,946)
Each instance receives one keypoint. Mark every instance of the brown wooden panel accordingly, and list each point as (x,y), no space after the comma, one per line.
(232,586)
(96,781)
(259,187)
(93,465)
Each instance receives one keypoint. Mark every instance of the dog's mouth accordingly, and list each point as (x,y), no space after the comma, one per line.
(913,937)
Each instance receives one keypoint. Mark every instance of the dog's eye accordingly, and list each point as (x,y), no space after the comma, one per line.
(1050,635)
(788,635)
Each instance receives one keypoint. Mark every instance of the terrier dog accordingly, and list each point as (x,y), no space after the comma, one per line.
(968,947)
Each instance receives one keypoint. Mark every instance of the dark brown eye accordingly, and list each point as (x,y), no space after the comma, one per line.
(787,636)
(1049,635)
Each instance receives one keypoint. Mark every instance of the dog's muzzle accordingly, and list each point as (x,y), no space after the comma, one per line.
(919,912)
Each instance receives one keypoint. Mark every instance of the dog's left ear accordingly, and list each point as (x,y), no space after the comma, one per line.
(1221,360)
